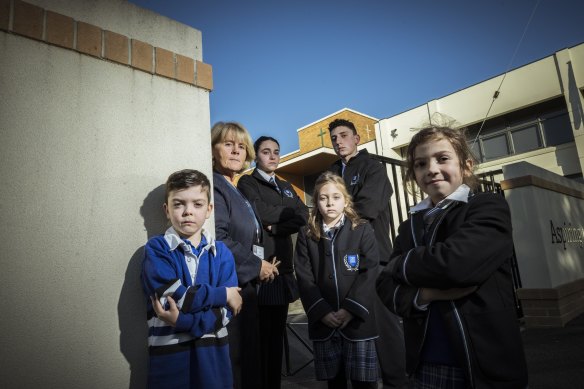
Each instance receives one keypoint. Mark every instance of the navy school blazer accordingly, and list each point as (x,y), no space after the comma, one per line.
(338,273)
(235,226)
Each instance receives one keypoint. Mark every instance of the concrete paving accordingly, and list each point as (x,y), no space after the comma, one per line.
(555,356)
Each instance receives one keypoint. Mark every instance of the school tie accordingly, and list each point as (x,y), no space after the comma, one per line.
(433,213)
(273,182)
(331,233)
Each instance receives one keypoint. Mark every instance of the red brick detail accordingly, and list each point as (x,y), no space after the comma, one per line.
(185,69)
(88,39)
(28,20)
(204,76)
(165,63)
(142,55)
(116,47)
(548,307)
(4,14)
(60,30)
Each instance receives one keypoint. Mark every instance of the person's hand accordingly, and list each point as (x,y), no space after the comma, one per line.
(234,300)
(269,270)
(169,317)
(276,263)
(269,228)
(427,295)
(266,271)
(331,320)
(344,316)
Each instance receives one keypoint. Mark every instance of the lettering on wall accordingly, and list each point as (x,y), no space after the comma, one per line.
(567,234)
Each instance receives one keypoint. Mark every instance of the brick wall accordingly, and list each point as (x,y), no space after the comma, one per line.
(552,307)
(31,21)
(316,135)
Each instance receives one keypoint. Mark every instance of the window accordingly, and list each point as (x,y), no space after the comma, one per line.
(558,129)
(522,131)
(526,139)
(495,147)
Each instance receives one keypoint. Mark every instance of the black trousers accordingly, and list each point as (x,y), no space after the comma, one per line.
(272,327)
(390,346)
(244,342)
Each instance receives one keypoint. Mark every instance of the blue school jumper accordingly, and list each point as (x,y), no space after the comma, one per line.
(195,353)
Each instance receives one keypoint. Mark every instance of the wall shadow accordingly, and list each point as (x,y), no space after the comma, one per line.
(132,303)
(577,110)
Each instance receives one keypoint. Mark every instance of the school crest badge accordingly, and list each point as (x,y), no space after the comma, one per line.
(352,262)
(288,193)
(355,180)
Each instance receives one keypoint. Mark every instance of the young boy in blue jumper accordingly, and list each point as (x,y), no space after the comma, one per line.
(191,284)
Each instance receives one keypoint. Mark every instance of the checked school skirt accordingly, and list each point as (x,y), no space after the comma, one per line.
(430,376)
(358,358)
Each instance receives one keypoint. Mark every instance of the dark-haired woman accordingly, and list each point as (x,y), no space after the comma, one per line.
(282,214)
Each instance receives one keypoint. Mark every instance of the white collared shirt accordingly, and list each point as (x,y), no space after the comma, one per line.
(174,240)
(265,175)
(338,225)
(460,194)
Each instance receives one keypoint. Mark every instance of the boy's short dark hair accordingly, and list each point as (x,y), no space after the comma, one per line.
(342,122)
(261,140)
(184,179)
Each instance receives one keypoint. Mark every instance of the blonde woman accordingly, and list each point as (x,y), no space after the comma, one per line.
(238,226)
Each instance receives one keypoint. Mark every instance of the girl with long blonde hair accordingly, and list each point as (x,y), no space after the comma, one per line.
(336,266)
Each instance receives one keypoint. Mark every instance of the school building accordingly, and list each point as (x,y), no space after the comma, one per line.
(315,153)
(101,100)
(531,146)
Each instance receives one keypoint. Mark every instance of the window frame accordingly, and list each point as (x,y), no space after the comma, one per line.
(509,128)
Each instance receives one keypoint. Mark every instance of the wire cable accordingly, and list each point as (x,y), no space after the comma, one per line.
(498,91)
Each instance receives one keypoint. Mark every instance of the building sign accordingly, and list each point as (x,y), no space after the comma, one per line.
(567,234)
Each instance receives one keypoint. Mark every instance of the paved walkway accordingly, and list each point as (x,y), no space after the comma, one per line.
(555,356)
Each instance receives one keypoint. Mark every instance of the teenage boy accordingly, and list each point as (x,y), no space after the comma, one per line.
(367,182)
(191,286)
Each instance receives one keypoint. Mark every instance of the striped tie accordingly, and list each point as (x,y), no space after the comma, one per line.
(273,182)
(433,213)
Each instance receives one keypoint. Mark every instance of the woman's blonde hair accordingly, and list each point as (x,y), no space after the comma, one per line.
(315,218)
(457,138)
(223,130)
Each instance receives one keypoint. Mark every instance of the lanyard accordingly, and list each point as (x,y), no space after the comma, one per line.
(250,209)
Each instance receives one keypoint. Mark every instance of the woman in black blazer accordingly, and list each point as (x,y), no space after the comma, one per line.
(282,214)
(237,225)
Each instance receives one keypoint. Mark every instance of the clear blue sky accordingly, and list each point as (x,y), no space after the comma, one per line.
(280,65)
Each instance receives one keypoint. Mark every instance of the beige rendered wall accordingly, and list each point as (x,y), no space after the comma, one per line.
(548,227)
(571,68)
(85,145)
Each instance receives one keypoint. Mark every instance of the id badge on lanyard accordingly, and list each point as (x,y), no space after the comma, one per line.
(258,251)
